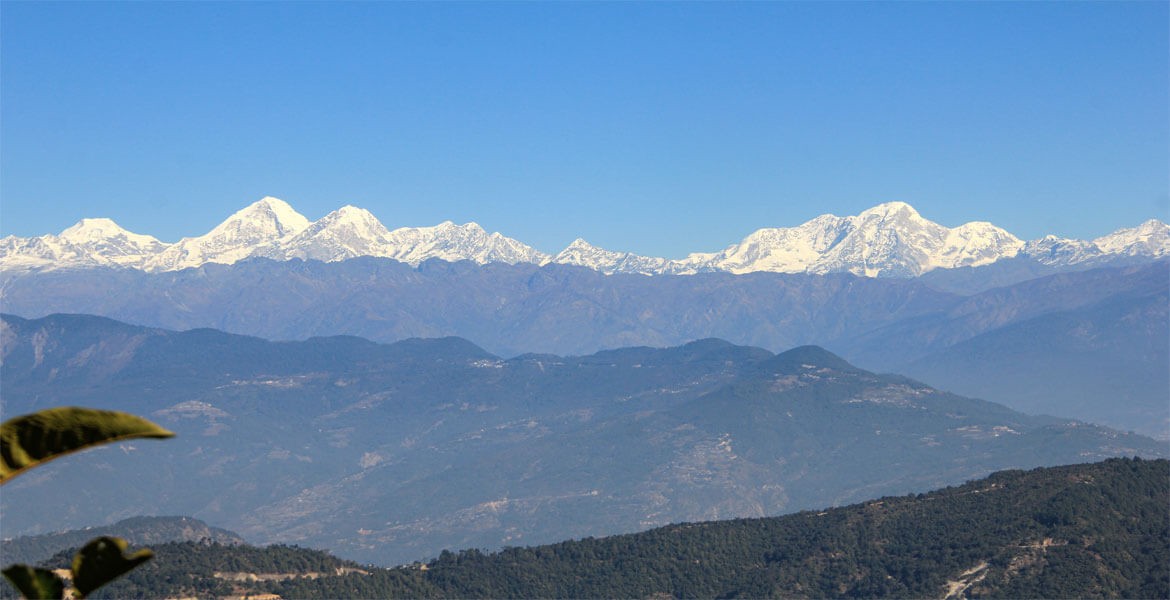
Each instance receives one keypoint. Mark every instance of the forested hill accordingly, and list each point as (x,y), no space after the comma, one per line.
(136,530)
(1077,531)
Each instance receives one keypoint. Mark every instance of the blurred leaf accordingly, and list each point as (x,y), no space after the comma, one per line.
(101,561)
(34,583)
(29,440)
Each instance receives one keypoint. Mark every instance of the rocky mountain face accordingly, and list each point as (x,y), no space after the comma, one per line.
(888,240)
(390,453)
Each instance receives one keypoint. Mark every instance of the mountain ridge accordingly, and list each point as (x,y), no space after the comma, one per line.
(427,444)
(888,240)
(882,324)
(1013,534)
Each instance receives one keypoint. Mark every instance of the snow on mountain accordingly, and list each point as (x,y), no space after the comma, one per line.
(894,240)
(1053,251)
(88,243)
(451,242)
(44,252)
(779,250)
(351,231)
(267,228)
(347,232)
(583,254)
(888,240)
(976,244)
(104,238)
(103,233)
(1151,238)
(1148,240)
(258,225)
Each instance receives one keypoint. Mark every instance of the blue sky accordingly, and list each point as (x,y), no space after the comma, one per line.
(658,128)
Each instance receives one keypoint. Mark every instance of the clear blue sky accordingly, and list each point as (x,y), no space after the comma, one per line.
(657,128)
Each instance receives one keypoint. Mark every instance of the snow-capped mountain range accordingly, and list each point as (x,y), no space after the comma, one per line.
(888,240)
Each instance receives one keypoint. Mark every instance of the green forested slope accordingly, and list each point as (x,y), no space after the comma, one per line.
(1090,530)
(1096,530)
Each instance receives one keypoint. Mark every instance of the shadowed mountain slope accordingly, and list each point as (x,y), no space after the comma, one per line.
(392,452)
(880,324)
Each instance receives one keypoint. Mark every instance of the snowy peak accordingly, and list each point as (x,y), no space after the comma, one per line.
(451,242)
(890,211)
(106,242)
(266,220)
(899,241)
(348,221)
(256,226)
(88,243)
(1151,238)
(87,229)
(268,217)
(351,214)
(976,244)
(579,245)
(583,254)
(347,232)
(778,249)
(888,240)
(1052,250)
(99,230)
(45,252)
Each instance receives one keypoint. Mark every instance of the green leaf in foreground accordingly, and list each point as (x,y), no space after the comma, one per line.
(29,440)
(101,561)
(34,583)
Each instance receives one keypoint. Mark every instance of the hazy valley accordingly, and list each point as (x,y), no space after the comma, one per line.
(389,453)
(1090,344)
